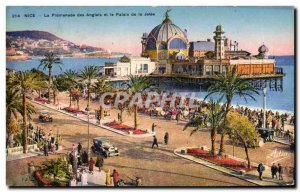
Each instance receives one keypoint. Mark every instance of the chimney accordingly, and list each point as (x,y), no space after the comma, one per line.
(208,40)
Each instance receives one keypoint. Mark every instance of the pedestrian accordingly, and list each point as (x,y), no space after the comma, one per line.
(260,170)
(282,123)
(153,127)
(154,142)
(79,161)
(119,117)
(85,157)
(280,171)
(99,162)
(274,170)
(166,138)
(91,165)
(115,176)
(52,147)
(108,178)
(79,148)
(45,149)
(71,159)
(177,117)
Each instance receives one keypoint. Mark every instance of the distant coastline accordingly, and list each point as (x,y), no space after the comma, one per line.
(18,58)
(24,58)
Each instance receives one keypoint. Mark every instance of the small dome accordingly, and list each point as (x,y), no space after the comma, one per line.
(124,59)
(219,28)
(263,49)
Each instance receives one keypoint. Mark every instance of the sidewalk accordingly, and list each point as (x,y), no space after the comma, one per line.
(94,122)
(281,140)
(251,176)
(29,154)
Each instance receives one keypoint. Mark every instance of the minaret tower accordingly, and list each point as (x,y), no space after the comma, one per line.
(144,41)
(219,42)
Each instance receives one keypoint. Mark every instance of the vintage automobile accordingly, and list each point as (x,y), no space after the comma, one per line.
(102,146)
(266,134)
(45,116)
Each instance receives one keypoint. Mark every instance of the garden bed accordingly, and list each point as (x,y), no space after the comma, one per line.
(73,110)
(124,128)
(226,162)
(41,100)
(46,182)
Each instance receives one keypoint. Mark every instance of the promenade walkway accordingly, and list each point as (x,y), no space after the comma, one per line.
(93,121)
(251,176)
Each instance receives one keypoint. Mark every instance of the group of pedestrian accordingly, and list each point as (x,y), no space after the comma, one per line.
(277,169)
(115,178)
(155,142)
(78,157)
(274,170)
(50,144)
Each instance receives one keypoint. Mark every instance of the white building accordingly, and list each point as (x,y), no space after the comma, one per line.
(129,66)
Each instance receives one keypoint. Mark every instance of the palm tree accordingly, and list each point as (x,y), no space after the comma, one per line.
(71,82)
(88,74)
(213,120)
(13,109)
(227,86)
(25,81)
(100,87)
(48,62)
(137,84)
(42,78)
(76,93)
(54,88)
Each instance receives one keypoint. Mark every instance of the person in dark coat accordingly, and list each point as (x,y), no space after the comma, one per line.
(79,148)
(153,127)
(260,170)
(85,157)
(79,161)
(274,170)
(154,142)
(71,158)
(45,149)
(166,138)
(99,162)
(119,117)
(280,171)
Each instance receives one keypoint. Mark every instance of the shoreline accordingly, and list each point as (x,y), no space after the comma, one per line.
(234,105)
(28,58)
(280,111)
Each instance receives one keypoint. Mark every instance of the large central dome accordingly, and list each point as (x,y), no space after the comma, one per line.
(165,41)
(165,31)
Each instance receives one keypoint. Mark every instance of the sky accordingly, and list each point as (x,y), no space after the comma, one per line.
(250,26)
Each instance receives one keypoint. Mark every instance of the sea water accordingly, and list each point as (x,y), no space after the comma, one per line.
(276,100)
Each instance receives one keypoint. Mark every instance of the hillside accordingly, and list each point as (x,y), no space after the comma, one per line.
(33,35)
(37,43)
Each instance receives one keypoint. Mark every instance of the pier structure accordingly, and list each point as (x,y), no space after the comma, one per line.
(198,63)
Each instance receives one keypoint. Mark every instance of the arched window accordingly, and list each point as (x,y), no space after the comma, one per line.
(151,44)
(162,46)
(177,43)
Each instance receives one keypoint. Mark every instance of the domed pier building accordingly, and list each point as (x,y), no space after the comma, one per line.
(168,46)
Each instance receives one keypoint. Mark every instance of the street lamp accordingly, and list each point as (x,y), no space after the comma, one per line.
(264,106)
(88,115)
